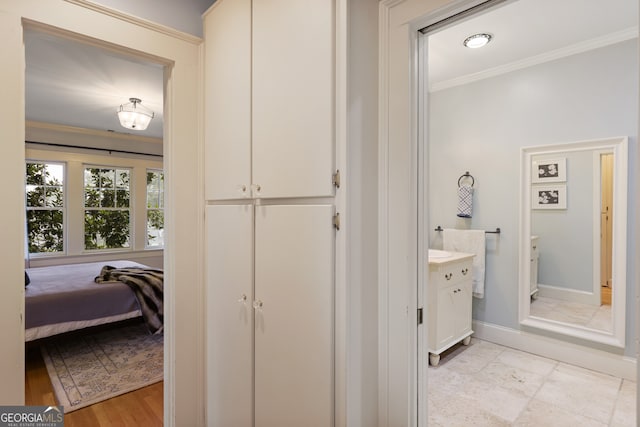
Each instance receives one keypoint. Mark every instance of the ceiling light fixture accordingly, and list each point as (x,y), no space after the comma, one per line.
(477,40)
(134,116)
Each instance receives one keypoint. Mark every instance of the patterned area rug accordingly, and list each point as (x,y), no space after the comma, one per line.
(89,368)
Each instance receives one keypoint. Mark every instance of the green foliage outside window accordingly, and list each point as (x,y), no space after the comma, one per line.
(155,208)
(45,207)
(107,214)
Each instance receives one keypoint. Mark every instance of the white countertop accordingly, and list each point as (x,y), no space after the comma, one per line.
(454,256)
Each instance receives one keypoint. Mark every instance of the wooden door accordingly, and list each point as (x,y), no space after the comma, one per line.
(294,293)
(606,219)
(293,98)
(229,314)
(227,118)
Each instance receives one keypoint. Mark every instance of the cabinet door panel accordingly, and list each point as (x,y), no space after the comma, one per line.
(294,258)
(227,118)
(229,327)
(293,97)
(446,316)
(463,307)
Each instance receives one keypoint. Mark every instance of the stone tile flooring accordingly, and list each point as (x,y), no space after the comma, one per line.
(572,312)
(485,384)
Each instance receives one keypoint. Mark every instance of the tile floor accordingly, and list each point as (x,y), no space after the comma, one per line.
(587,315)
(485,384)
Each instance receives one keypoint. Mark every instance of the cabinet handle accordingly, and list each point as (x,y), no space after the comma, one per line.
(455,291)
(465,271)
(534,247)
(448,276)
(243,298)
(257,187)
(257,304)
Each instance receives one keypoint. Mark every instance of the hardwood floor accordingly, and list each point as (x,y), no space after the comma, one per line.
(143,407)
(605,295)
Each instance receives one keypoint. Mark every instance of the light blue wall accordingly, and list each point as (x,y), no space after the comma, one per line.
(183,15)
(565,236)
(480,127)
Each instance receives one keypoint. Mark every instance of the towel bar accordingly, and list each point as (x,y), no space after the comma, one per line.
(496,231)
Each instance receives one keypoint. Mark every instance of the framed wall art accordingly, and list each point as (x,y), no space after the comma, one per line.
(549,170)
(549,196)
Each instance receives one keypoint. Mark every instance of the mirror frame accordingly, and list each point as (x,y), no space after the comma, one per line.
(619,147)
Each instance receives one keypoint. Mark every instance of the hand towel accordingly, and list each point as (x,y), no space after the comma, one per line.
(471,242)
(465,201)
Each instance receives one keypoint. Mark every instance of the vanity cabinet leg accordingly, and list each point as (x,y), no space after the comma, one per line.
(467,340)
(434,359)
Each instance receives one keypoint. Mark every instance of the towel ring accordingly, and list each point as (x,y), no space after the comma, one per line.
(466,175)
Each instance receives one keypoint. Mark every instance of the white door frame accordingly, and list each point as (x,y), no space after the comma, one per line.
(400,251)
(88,21)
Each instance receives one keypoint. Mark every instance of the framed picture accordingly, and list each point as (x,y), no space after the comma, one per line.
(549,170)
(549,197)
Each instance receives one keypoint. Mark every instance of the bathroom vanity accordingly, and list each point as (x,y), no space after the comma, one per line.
(533,282)
(449,301)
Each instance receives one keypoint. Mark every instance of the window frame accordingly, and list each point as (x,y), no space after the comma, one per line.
(130,209)
(147,208)
(64,208)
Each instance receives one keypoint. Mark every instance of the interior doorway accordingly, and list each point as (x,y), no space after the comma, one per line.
(102,73)
(606,226)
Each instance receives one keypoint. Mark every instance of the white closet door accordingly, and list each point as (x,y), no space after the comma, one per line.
(229,328)
(227,118)
(293,97)
(294,258)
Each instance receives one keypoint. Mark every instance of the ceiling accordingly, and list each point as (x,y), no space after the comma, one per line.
(526,29)
(75,84)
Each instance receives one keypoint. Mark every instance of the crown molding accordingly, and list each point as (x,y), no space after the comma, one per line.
(585,46)
(114,13)
(32,126)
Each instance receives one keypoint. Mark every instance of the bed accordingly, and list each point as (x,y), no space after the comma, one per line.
(65,298)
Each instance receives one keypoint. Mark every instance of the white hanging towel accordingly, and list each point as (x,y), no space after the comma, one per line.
(471,242)
(465,201)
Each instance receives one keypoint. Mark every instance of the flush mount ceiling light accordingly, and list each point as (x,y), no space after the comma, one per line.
(134,116)
(477,40)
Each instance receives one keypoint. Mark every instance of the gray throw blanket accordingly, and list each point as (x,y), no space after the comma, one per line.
(147,285)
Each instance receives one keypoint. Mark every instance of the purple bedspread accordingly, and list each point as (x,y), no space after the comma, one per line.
(67,293)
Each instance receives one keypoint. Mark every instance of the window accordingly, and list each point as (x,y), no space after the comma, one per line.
(155,208)
(106,208)
(45,207)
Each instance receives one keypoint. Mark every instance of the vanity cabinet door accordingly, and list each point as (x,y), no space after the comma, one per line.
(462,303)
(450,304)
(446,316)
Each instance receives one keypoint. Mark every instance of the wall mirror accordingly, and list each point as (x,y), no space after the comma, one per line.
(573,205)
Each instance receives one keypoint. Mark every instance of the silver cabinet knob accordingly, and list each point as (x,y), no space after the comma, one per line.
(257,304)
(242,298)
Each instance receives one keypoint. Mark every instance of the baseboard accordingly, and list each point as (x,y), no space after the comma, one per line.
(586,357)
(565,294)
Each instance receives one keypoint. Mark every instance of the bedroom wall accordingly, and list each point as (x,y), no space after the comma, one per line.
(183,255)
(586,96)
(73,236)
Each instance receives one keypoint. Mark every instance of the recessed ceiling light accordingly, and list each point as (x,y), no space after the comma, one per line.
(477,40)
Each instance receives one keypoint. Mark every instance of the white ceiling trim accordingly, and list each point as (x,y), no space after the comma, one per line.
(585,46)
(137,21)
